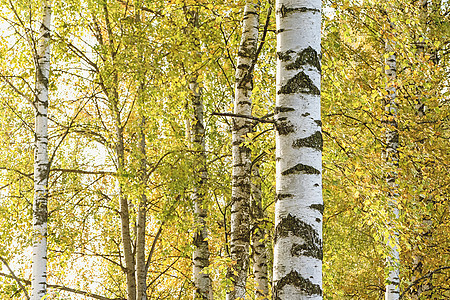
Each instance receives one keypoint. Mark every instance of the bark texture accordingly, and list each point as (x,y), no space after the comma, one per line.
(200,256)
(201,251)
(258,236)
(392,160)
(41,162)
(297,270)
(141,273)
(241,173)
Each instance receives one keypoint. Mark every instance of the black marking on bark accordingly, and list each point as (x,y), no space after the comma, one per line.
(305,114)
(282,109)
(243,66)
(244,103)
(198,239)
(279,31)
(307,56)
(301,168)
(318,220)
(318,122)
(314,141)
(311,248)
(316,184)
(283,196)
(285,56)
(286,10)
(284,127)
(318,207)
(312,243)
(295,279)
(300,83)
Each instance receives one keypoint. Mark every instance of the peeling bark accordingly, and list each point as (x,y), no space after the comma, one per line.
(241,173)
(41,162)
(297,270)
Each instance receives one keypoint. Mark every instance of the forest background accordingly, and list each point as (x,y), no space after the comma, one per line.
(121,72)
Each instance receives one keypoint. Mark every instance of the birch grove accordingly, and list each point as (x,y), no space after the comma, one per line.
(41,161)
(297,265)
(189,149)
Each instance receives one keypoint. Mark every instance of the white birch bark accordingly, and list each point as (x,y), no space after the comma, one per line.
(392,160)
(258,236)
(241,173)
(41,163)
(200,255)
(141,223)
(297,270)
(201,251)
(141,272)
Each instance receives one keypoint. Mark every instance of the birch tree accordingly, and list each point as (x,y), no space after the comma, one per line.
(297,270)
(392,159)
(258,236)
(41,162)
(200,256)
(241,170)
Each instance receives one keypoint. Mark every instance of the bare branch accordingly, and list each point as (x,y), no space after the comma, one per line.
(63,288)
(15,277)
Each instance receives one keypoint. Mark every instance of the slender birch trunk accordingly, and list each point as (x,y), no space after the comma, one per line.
(392,160)
(417,270)
(297,270)
(124,211)
(141,272)
(141,223)
(200,255)
(258,236)
(241,174)
(113,97)
(41,163)
(123,202)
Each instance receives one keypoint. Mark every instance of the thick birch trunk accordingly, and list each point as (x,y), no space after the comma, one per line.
(141,223)
(258,236)
(391,157)
(297,271)
(203,289)
(241,174)
(41,163)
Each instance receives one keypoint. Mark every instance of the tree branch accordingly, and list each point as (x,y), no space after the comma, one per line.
(261,120)
(83,171)
(15,277)
(416,282)
(63,288)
